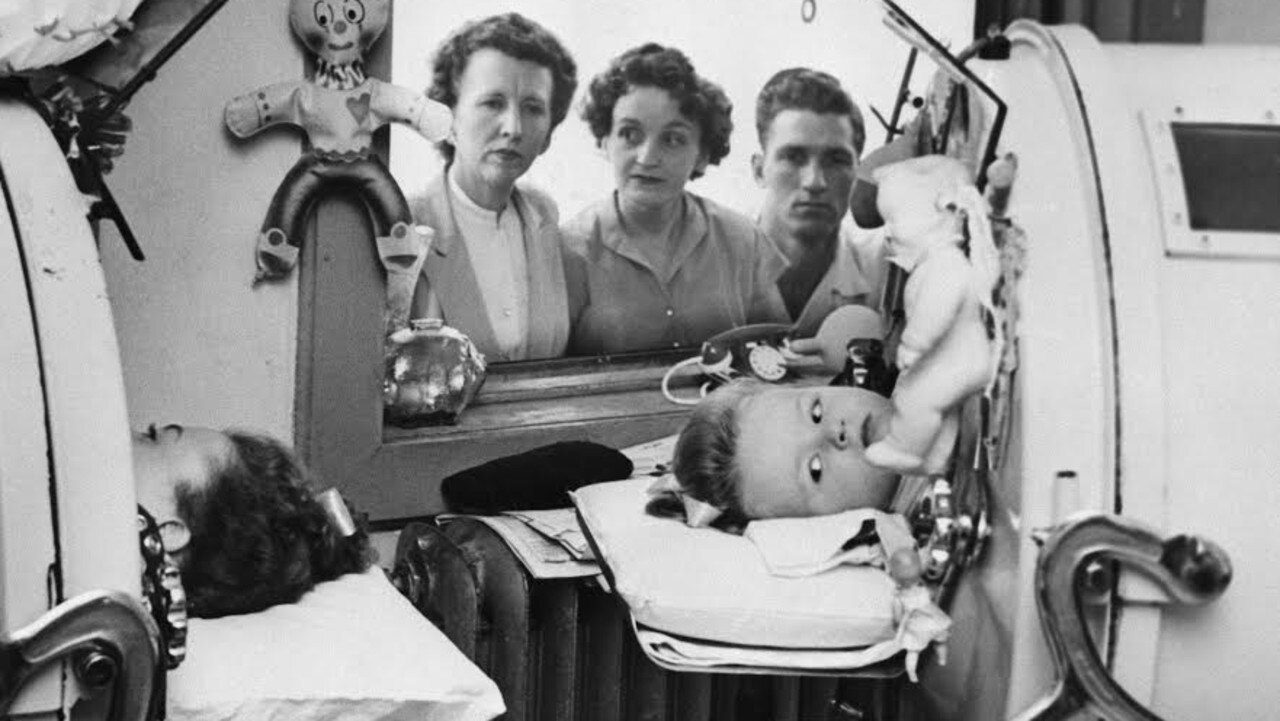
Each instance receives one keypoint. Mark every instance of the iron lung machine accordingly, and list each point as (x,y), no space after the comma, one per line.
(1148,186)
(71,613)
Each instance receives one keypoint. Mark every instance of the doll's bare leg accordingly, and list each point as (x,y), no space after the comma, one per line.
(938,459)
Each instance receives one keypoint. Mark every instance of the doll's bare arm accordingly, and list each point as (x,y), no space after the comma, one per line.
(271,105)
(394,103)
(934,295)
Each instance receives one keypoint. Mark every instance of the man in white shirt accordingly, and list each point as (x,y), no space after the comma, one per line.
(811,136)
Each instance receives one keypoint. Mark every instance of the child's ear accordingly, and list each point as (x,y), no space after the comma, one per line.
(757,168)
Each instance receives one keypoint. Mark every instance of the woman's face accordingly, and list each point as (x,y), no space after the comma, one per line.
(166,456)
(801,451)
(653,147)
(502,119)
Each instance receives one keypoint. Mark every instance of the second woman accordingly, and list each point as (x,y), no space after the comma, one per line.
(652,265)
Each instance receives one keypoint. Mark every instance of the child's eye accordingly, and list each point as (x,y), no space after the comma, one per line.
(815,469)
(815,411)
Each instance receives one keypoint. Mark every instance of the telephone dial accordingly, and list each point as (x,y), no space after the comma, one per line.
(759,351)
(849,343)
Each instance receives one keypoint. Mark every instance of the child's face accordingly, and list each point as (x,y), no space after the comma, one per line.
(801,451)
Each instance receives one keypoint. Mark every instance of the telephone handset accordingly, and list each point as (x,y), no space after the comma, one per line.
(754,350)
(758,350)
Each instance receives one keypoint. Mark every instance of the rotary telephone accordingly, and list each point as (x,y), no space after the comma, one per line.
(759,350)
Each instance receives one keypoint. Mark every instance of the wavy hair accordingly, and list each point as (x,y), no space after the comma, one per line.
(512,34)
(656,66)
(807,89)
(258,536)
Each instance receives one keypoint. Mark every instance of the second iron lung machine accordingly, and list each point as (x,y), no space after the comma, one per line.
(1147,335)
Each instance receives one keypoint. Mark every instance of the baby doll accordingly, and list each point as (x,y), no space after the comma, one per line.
(945,354)
(758,450)
(920,621)
(340,108)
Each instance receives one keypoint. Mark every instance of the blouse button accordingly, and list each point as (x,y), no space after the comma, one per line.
(506,312)
(670,312)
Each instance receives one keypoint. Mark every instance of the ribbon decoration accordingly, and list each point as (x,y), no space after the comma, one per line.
(697,513)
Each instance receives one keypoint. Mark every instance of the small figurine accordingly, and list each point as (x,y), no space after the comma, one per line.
(919,620)
(945,353)
(340,108)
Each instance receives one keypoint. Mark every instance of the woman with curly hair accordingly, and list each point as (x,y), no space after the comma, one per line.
(494,270)
(653,265)
(238,515)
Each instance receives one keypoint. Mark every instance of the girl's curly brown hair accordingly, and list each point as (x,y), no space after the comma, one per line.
(258,536)
(656,66)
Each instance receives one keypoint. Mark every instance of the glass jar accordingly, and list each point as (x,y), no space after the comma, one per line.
(433,371)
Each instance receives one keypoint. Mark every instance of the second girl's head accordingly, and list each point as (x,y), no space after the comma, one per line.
(763,451)
(659,122)
(254,535)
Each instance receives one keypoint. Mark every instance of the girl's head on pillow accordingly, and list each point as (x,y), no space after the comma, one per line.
(251,533)
(755,450)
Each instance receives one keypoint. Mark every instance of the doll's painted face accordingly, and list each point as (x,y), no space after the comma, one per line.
(801,451)
(339,31)
(166,457)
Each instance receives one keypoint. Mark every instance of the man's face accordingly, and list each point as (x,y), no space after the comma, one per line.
(807,169)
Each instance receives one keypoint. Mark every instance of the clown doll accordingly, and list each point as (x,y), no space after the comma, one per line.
(340,108)
(945,353)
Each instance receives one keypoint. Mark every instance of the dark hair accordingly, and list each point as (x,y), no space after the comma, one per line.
(258,536)
(652,65)
(807,89)
(511,34)
(705,460)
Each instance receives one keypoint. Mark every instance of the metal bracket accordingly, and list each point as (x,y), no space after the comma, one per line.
(1191,570)
(110,639)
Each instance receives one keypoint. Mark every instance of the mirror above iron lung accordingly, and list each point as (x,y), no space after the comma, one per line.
(737,46)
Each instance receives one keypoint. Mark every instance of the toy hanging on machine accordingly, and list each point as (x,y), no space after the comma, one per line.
(340,108)
(946,353)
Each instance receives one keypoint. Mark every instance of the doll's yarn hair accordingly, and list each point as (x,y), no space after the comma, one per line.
(258,535)
(705,460)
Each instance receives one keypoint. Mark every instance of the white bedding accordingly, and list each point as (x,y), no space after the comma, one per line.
(352,649)
(706,584)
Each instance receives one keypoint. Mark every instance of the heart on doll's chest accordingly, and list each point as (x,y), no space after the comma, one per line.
(358,106)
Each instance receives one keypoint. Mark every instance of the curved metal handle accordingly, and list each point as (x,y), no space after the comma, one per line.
(113,639)
(1191,570)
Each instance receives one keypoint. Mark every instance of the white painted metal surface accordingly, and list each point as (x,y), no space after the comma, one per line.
(65,460)
(1219,331)
(1149,359)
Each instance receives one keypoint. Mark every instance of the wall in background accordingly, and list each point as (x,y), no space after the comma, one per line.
(199,344)
(1242,21)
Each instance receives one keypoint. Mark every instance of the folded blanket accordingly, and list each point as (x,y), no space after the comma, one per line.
(813,544)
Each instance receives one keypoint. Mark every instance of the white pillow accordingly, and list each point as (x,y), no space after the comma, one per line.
(351,649)
(710,585)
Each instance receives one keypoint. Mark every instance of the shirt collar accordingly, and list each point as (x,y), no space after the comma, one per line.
(467,207)
(615,238)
